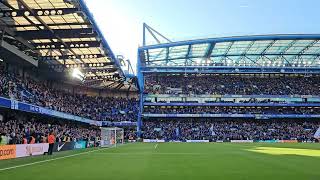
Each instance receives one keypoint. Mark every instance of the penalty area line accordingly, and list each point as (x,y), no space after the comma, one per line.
(48,160)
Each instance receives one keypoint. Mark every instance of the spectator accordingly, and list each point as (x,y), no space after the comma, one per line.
(229,110)
(232,84)
(230,130)
(20,129)
(95,108)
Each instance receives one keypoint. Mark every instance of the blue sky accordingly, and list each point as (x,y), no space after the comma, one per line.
(121,20)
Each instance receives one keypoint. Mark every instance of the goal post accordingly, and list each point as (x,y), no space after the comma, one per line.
(111,136)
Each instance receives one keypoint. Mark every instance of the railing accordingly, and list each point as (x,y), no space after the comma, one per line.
(17,105)
(222,104)
(256,116)
(202,99)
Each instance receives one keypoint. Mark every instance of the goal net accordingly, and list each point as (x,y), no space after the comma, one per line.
(111,136)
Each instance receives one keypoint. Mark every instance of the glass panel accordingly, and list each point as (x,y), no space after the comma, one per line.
(157,54)
(197,61)
(314,49)
(178,51)
(199,50)
(253,59)
(221,48)
(218,60)
(279,46)
(298,46)
(308,60)
(258,47)
(239,47)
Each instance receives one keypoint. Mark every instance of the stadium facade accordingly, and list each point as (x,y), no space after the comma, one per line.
(45,41)
(247,89)
(283,55)
(53,38)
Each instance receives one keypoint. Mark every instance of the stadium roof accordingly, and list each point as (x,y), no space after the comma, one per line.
(262,51)
(63,34)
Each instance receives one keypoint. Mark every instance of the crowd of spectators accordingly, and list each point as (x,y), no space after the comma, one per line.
(15,130)
(229,110)
(130,134)
(232,84)
(37,93)
(230,130)
(19,129)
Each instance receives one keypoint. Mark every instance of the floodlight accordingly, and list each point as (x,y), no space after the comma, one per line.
(76,73)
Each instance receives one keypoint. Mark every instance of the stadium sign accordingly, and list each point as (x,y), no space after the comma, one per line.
(153,140)
(219,141)
(16,105)
(67,146)
(288,141)
(267,141)
(63,146)
(241,141)
(80,145)
(24,150)
(5,102)
(7,152)
(197,141)
(120,123)
(257,116)
(176,141)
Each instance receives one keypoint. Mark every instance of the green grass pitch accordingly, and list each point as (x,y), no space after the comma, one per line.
(174,161)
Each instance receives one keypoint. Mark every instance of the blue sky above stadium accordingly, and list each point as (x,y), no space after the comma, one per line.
(121,20)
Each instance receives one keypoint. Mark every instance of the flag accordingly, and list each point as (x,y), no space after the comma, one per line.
(177,132)
(211,130)
(317,134)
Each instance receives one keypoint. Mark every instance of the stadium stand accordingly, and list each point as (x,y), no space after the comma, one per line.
(17,126)
(233,84)
(37,93)
(226,130)
(247,78)
(231,110)
(233,88)
(63,89)
(57,72)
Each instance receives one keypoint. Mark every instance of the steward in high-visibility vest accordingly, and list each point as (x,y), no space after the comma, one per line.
(24,140)
(51,141)
(33,140)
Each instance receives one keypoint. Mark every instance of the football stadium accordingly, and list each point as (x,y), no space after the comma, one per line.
(227,107)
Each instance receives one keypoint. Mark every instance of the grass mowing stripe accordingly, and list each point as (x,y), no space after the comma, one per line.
(175,161)
(48,160)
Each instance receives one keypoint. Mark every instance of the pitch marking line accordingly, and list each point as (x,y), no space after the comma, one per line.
(156,153)
(48,160)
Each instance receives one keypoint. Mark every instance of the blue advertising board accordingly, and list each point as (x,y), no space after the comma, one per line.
(80,145)
(257,116)
(4,102)
(16,105)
